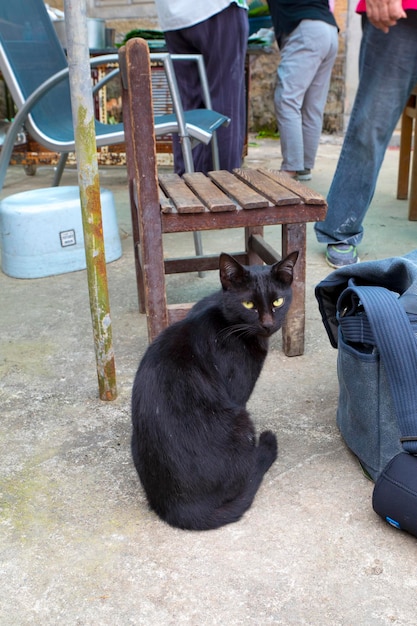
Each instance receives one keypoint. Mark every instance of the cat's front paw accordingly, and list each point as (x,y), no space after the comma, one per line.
(268,446)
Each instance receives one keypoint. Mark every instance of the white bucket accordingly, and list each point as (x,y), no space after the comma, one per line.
(95,31)
(41,232)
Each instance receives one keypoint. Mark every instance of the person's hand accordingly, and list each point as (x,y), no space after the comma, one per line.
(384,13)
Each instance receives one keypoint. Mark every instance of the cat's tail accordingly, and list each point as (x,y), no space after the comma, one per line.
(205,516)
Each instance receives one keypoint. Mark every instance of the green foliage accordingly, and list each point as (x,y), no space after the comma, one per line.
(266,133)
(257,8)
(144,34)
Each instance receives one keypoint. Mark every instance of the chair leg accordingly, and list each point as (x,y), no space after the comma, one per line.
(215,152)
(189,168)
(412,203)
(250,232)
(294,238)
(59,170)
(198,245)
(404,157)
(7,148)
(134,213)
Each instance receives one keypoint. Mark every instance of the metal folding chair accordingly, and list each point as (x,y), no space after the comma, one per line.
(34,67)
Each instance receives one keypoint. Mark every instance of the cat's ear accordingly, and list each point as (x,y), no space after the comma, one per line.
(232,273)
(283,270)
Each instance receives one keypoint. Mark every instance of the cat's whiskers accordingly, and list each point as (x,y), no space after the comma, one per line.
(236,329)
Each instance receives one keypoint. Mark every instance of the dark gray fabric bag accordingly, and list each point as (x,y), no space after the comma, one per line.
(377,371)
(374,329)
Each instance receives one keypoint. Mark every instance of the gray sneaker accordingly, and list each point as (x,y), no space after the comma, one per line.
(341,254)
(303,174)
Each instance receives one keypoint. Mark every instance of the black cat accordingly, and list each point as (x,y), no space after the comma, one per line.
(193,442)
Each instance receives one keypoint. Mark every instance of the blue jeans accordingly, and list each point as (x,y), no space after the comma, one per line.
(387,74)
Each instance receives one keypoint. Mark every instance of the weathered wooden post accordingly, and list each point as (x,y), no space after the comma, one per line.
(88,180)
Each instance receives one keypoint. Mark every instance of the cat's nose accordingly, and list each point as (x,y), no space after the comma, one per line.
(267,322)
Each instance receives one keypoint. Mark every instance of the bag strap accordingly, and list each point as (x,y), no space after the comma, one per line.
(394,337)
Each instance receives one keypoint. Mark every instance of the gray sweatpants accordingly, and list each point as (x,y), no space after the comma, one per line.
(304,71)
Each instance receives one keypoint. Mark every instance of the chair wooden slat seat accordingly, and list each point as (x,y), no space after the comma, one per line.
(307,195)
(180,194)
(239,190)
(165,202)
(291,212)
(211,196)
(268,187)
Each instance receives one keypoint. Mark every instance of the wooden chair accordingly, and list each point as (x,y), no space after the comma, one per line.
(245,198)
(407,141)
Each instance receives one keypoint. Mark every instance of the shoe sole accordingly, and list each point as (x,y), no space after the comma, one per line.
(303,177)
(337,267)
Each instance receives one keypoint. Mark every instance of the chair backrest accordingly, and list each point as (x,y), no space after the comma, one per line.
(30,53)
(138,119)
(137,101)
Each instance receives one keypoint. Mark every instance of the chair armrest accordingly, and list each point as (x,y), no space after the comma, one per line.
(39,92)
(199,59)
(61,75)
(104,59)
(185,130)
(24,110)
(21,115)
(106,79)
(57,78)
(166,59)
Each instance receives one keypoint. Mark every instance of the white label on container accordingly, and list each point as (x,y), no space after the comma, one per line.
(67,238)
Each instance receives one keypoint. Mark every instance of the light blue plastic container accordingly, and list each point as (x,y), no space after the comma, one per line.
(41,232)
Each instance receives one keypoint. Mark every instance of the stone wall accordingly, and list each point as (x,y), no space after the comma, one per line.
(263,78)
(262,82)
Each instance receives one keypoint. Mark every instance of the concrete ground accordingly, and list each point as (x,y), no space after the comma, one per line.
(78,545)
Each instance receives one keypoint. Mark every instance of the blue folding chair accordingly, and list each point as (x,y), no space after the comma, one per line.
(35,69)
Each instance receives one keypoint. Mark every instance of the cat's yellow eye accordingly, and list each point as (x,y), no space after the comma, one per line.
(248,304)
(278,302)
